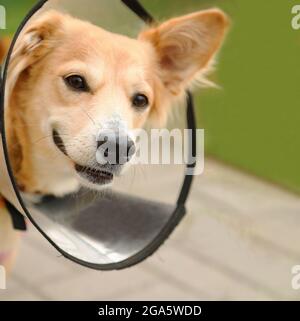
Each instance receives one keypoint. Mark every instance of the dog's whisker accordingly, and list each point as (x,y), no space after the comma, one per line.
(89,116)
(50,136)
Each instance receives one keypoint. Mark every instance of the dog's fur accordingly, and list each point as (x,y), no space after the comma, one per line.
(162,63)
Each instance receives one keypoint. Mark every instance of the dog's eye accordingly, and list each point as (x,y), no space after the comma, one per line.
(140,101)
(77,83)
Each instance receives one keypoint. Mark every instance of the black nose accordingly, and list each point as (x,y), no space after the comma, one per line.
(115,147)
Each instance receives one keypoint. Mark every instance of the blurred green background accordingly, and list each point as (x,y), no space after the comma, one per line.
(253,121)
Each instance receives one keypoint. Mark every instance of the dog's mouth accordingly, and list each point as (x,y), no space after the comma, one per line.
(92,175)
(59,142)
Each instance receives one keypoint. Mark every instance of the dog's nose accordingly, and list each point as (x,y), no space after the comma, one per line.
(115,148)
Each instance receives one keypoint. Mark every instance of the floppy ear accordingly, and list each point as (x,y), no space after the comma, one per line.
(4,46)
(34,42)
(186,45)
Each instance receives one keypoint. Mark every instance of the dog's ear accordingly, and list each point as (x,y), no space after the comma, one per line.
(4,46)
(34,42)
(186,45)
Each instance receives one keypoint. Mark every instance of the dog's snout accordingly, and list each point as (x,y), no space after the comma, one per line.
(114,147)
(130,148)
(100,145)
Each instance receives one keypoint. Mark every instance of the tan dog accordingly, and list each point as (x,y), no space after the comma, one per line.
(70,81)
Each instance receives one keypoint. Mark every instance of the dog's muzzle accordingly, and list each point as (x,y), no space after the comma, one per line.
(114,147)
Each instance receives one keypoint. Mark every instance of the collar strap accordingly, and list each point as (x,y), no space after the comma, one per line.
(139,10)
(18,220)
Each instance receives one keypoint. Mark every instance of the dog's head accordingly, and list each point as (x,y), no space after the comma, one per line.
(72,84)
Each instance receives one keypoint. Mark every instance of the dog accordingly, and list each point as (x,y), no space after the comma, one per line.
(70,82)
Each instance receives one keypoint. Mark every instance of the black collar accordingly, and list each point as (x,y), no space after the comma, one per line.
(18,220)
